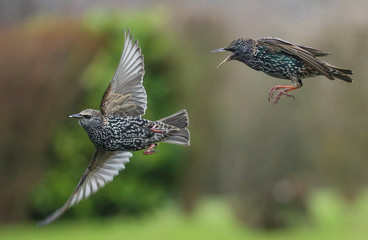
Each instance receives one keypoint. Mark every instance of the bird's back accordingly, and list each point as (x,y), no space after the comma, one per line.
(280,64)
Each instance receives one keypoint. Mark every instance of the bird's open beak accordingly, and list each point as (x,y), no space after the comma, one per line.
(226,59)
(78,116)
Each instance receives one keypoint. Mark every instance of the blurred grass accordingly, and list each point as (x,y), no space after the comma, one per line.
(331,218)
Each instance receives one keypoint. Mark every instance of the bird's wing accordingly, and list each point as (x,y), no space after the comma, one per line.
(125,94)
(315,52)
(101,170)
(306,54)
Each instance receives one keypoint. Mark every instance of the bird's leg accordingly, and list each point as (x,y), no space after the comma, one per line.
(283,90)
(151,149)
(157,129)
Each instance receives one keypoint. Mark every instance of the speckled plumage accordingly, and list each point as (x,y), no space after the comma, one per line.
(281,59)
(126,133)
(279,64)
(118,128)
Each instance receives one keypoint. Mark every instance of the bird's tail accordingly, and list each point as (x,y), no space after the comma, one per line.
(179,120)
(340,73)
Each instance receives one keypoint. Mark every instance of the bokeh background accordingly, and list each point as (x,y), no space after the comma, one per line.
(295,171)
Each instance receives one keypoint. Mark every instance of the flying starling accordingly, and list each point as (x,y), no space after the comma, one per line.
(118,128)
(281,59)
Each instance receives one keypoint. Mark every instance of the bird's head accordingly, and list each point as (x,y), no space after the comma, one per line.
(88,117)
(239,49)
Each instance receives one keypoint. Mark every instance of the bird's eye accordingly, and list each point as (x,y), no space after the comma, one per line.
(87,116)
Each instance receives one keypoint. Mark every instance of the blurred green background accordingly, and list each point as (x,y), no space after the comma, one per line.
(295,171)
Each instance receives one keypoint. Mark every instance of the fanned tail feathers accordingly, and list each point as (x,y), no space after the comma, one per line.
(181,121)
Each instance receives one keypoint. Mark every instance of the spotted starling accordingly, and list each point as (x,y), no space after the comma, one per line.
(281,59)
(118,128)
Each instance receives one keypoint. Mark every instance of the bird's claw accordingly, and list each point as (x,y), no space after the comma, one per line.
(278,96)
(270,93)
(151,150)
(283,90)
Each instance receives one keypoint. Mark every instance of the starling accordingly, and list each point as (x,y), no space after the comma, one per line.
(118,128)
(281,59)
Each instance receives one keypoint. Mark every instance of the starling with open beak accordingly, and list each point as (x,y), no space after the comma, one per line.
(118,128)
(281,59)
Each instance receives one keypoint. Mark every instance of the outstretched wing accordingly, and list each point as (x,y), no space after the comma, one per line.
(101,170)
(307,54)
(125,94)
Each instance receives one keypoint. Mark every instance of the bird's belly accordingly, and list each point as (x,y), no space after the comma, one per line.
(285,67)
(128,140)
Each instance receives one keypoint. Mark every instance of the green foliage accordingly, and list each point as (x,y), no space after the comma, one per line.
(148,181)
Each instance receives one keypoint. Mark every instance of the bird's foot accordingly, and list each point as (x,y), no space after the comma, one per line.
(151,150)
(283,90)
(272,90)
(278,96)
(157,129)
